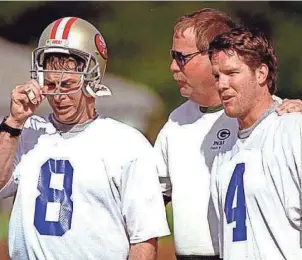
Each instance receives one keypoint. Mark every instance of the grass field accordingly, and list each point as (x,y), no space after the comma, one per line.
(3,234)
(3,226)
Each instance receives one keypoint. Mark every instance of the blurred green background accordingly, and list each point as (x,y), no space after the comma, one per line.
(138,36)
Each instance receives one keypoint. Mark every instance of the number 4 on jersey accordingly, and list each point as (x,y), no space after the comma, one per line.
(238,213)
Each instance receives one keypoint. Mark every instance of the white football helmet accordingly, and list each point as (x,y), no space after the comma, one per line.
(72,35)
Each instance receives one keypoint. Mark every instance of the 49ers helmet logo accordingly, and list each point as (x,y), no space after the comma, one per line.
(101,45)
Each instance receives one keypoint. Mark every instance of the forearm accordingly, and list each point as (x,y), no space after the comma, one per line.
(8,148)
(144,251)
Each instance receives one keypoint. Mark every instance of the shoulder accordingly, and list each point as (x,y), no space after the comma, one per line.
(122,144)
(185,113)
(185,108)
(36,122)
(34,128)
(120,133)
(37,125)
(294,117)
(290,124)
(288,121)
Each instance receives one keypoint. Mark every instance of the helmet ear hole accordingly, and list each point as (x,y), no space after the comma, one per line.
(94,89)
(88,91)
(102,91)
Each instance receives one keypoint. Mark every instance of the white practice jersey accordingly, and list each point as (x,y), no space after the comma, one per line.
(187,145)
(256,189)
(85,197)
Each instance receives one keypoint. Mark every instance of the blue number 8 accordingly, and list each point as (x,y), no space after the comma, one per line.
(237,214)
(48,194)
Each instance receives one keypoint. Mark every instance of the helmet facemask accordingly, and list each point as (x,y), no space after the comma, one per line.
(73,37)
(90,78)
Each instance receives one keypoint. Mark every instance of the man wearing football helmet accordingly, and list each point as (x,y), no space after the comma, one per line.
(85,185)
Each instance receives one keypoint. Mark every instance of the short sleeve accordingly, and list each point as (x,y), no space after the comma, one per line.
(161,150)
(142,203)
(216,203)
(11,186)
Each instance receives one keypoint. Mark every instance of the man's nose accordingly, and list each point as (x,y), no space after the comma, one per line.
(174,67)
(223,82)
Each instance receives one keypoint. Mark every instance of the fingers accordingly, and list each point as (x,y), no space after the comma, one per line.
(289,106)
(29,92)
(31,95)
(25,99)
(33,92)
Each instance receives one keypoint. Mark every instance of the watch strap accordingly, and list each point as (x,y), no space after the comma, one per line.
(11,130)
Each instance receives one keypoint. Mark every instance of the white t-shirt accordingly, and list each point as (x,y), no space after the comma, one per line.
(85,197)
(256,189)
(186,147)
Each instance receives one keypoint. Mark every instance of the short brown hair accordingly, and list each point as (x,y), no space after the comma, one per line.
(253,47)
(207,23)
(66,62)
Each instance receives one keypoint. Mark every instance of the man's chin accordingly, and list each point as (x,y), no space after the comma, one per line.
(64,118)
(185,93)
(230,112)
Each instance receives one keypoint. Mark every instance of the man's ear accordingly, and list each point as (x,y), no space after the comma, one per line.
(262,73)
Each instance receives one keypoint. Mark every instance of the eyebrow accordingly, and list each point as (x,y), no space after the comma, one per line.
(230,68)
(62,82)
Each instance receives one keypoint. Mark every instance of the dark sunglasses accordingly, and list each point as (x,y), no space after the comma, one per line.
(182,59)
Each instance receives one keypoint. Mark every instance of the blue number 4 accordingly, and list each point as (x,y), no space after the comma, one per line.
(60,196)
(238,213)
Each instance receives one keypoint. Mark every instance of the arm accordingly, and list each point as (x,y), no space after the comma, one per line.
(144,251)
(20,109)
(161,149)
(8,148)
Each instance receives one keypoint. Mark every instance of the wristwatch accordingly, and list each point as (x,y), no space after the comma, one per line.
(11,130)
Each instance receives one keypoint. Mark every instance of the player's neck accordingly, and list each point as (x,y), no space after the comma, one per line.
(249,119)
(207,101)
(75,127)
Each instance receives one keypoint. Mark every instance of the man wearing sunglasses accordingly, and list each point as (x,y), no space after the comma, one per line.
(193,135)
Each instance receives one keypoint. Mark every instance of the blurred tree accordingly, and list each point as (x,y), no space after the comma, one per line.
(139,35)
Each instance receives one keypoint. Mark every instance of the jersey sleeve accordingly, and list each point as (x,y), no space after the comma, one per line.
(11,186)
(161,150)
(216,203)
(284,166)
(33,128)
(293,157)
(142,203)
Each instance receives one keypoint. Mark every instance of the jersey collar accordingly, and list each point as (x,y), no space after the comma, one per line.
(210,109)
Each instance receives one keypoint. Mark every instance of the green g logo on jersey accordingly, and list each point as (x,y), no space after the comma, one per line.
(223,134)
